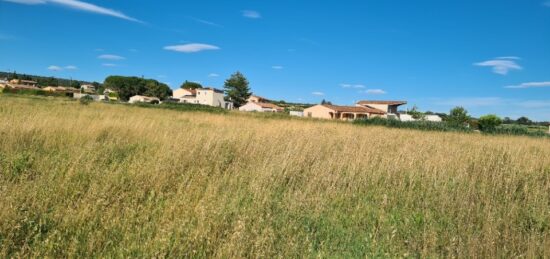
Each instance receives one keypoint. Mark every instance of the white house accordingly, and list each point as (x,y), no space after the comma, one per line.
(408,117)
(297,113)
(205,96)
(260,107)
(95,97)
(144,99)
(88,88)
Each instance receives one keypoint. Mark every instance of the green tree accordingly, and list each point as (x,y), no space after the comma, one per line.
(190,85)
(127,87)
(237,89)
(416,114)
(524,121)
(489,122)
(75,84)
(458,116)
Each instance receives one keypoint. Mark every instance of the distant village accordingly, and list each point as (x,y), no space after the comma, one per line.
(216,98)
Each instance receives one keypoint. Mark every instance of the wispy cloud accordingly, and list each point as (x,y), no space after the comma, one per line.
(318,93)
(109,65)
(529,85)
(213,75)
(79,5)
(54,68)
(110,57)
(355,86)
(71,67)
(204,22)
(251,14)
(501,65)
(547,3)
(277,67)
(509,57)
(374,91)
(191,48)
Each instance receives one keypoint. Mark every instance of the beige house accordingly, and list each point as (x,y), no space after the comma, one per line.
(325,111)
(23,82)
(180,93)
(260,107)
(389,107)
(144,99)
(60,89)
(257,99)
(88,88)
(205,96)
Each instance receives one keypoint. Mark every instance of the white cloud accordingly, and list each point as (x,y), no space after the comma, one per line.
(252,14)
(509,57)
(191,48)
(213,75)
(534,104)
(205,22)
(501,65)
(374,91)
(277,67)
(55,68)
(71,67)
(109,65)
(356,86)
(79,5)
(110,57)
(529,85)
(318,93)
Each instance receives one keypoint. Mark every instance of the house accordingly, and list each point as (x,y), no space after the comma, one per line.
(260,107)
(183,92)
(60,89)
(408,117)
(87,88)
(144,99)
(205,96)
(325,111)
(389,107)
(257,99)
(296,113)
(110,94)
(95,97)
(23,82)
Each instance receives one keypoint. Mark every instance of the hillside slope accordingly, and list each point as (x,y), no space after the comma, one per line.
(118,181)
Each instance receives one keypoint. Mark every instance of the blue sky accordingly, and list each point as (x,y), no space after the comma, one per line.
(489,56)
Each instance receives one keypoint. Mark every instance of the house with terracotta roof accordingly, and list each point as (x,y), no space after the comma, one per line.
(326,111)
(20,82)
(260,107)
(257,99)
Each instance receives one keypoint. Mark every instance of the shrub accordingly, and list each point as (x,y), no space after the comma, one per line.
(418,125)
(86,99)
(488,123)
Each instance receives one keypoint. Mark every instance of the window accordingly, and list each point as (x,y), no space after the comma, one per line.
(309,114)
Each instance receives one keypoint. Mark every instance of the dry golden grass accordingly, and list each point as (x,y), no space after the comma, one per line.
(119,181)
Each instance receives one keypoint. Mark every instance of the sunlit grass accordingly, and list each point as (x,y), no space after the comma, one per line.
(118,181)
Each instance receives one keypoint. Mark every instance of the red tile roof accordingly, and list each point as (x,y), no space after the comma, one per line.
(270,106)
(354,109)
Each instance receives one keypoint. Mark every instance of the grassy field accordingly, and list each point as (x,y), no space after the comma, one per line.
(120,181)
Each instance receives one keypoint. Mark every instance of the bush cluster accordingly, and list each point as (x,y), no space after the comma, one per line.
(419,125)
